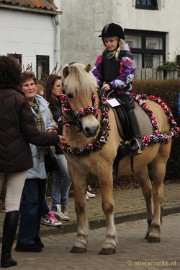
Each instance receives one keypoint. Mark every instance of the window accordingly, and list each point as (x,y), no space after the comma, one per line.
(148,47)
(178,59)
(146,4)
(42,66)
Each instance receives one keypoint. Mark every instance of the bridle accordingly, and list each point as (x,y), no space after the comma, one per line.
(81,112)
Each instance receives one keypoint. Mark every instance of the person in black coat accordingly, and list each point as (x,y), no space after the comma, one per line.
(17,130)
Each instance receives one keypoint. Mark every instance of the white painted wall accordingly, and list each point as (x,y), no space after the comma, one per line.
(29,34)
(83,20)
(77,30)
(80,24)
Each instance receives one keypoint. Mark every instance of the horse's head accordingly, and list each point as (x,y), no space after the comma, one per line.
(79,98)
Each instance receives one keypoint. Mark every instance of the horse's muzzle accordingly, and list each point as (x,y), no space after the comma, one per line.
(90,126)
(91,131)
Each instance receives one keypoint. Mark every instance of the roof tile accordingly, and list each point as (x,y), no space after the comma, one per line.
(42,4)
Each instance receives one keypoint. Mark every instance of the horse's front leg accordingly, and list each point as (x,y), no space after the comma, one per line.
(79,188)
(106,183)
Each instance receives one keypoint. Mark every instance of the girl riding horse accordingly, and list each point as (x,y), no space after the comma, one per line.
(114,71)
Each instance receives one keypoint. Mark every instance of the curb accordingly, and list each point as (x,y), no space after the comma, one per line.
(71,227)
(119,218)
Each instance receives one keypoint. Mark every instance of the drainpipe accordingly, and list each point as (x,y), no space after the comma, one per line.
(56,19)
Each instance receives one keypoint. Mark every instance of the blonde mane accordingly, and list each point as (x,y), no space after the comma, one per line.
(79,81)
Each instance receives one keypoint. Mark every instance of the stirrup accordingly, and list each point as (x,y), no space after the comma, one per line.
(138,151)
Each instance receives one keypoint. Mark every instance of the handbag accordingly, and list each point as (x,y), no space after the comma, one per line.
(50,161)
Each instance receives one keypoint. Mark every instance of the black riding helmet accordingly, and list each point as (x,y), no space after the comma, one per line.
(111,30)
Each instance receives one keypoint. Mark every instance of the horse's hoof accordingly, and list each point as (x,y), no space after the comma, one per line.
(146,236)
(153,239)
(107,251)
(78,250)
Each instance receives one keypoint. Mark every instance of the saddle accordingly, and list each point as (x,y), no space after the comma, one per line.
(123,124)
(124,131)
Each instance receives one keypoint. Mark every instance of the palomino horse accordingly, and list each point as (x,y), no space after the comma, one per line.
(90,125)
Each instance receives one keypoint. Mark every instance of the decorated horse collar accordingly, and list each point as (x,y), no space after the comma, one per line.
(101,138)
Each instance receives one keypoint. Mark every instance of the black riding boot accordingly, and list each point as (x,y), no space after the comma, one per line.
(9,232)
(136,141)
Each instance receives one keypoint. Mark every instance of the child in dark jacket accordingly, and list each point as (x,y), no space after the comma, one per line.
(114,70)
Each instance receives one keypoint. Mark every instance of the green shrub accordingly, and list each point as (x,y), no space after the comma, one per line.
(169,66)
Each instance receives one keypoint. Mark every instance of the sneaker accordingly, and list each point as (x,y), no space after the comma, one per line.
(64,209)
(60,215)
(50,220)
(90,195)
(89,188)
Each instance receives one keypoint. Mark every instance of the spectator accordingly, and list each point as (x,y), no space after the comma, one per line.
(40,90)
(35,184)
(48,217)
(61,179)
(17,129)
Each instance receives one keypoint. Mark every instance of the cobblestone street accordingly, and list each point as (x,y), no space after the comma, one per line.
(133,252)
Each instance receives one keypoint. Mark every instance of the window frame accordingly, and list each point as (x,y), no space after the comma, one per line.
(153,6)
(44,61)
(143,50)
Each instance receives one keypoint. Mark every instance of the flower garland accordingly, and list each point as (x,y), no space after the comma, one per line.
(157,136)
(80,112)
(101,138)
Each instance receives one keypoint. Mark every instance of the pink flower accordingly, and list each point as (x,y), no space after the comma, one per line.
(156,132)
(80,111)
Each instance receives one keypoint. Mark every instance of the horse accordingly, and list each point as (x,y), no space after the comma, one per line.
(91,127)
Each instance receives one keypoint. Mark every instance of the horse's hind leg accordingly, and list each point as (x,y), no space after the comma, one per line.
(79,186)
(106,183)
(143,178)
(158,170)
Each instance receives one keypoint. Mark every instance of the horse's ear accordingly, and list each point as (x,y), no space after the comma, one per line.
(65,71)
(88,68)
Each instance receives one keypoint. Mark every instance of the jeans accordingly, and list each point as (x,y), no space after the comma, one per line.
(45,207)
(61,183)
(31,210)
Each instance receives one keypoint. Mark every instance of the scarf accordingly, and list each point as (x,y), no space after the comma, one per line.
(39,119)
(40,125)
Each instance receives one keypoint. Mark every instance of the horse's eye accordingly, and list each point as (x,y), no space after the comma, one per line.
(69,95)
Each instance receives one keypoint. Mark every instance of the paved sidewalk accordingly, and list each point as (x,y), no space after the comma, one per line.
(129,205)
